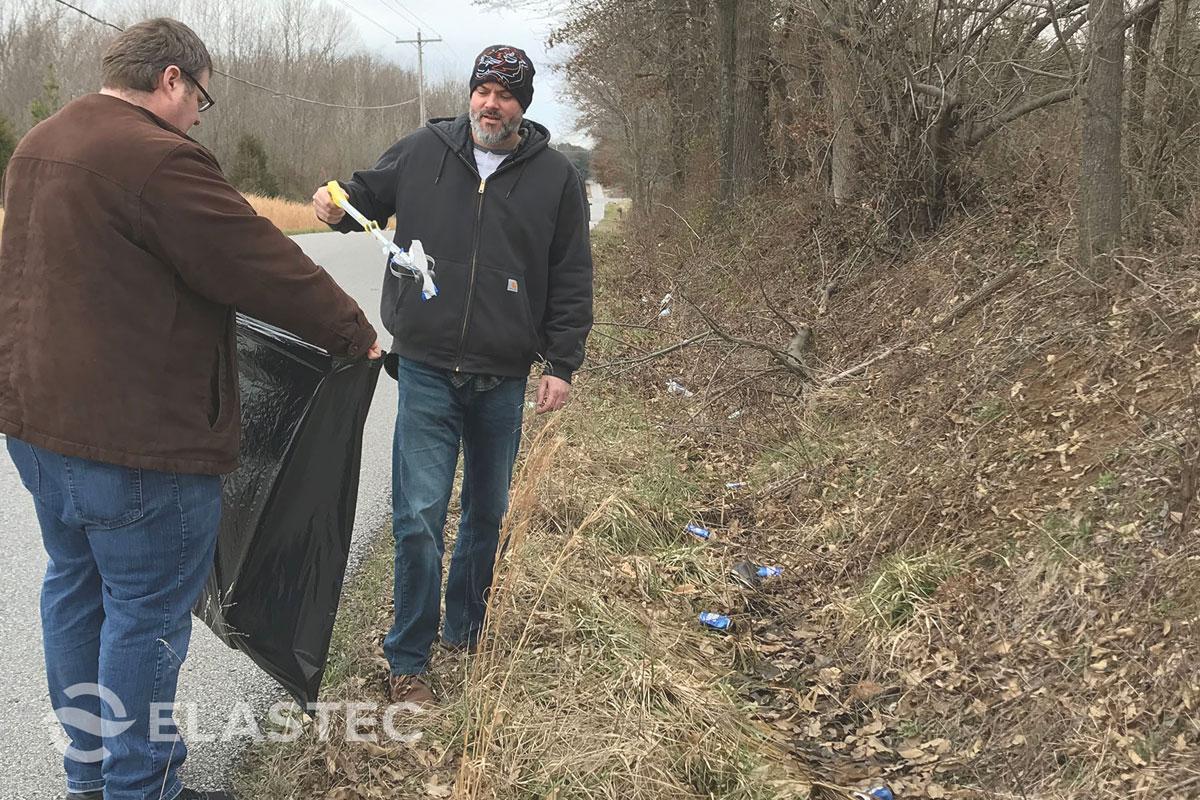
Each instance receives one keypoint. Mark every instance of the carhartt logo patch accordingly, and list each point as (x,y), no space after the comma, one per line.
(512,285)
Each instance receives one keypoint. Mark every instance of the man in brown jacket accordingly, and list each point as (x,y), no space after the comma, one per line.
(125,254)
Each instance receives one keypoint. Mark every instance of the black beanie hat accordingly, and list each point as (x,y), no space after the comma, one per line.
(507,66)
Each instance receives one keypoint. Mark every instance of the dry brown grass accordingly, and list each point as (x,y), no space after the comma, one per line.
(290,217)
(594,678)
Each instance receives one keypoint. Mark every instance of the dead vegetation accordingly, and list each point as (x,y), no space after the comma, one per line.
(981,490)
(983,494)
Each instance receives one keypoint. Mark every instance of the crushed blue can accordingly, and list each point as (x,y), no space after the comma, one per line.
(697,531)
(715,621)
(769,572)
(736,485)
(875,793)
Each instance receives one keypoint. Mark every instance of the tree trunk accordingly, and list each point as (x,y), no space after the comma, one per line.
(1100,162)
(844,144)
(727,91)
(1139,144)
(742,36)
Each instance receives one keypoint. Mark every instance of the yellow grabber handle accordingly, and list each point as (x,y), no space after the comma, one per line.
(337,193)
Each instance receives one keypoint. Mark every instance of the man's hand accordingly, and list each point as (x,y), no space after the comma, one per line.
(376,351)
(326,210)
(552,394)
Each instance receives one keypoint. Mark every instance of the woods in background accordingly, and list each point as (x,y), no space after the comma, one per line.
(50,54)
(909,107)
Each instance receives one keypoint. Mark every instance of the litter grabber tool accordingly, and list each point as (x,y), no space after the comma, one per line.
(414,263)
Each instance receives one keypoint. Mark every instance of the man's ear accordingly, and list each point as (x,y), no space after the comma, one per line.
(169,76)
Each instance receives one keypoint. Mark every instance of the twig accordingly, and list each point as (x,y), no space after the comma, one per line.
(986,291)
(781,357)
(763,290)
(681,219)
(649,356)
(857,368)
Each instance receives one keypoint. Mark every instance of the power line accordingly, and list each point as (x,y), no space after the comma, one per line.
(369,19)
(89,16)
(411,17)
(274,92)
(403,10)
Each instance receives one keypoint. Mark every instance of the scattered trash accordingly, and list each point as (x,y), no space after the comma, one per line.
(875,793)
(675,387)
(736,414)
(697,531)
(745,573)
(530,404)
(737,485)
(665,306)
(751,575)
(718,622)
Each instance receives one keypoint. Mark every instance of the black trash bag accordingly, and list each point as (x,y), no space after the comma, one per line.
(289,508)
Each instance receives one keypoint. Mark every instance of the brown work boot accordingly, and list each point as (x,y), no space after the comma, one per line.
(411,689)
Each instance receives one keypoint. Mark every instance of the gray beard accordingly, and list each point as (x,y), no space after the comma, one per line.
(493,139)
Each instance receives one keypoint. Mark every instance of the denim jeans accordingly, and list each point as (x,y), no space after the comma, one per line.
(129,551)
(433,418)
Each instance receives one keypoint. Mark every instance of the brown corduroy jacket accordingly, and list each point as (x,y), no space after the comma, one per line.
(125,254)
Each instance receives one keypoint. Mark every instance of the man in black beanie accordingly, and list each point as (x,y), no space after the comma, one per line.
(506,218)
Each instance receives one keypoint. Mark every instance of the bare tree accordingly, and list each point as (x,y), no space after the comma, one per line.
(1100,163)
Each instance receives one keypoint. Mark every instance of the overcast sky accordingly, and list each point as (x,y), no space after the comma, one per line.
(468,28)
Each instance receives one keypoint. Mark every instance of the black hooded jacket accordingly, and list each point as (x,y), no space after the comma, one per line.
(514,261)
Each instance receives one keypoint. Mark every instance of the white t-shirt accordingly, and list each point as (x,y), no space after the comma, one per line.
(486,161)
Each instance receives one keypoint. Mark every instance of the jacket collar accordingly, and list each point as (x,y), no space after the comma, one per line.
(455,132)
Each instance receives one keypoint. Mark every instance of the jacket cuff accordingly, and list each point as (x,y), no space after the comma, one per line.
(362,339)
(559,372)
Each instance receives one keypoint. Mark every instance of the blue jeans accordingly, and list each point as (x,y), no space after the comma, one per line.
(129,552)
(433,418)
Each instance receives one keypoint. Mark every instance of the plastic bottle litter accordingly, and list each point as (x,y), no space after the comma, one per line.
(751,575)
(716,621)
(697,531)
(675,387)
(745,573)
(736,485)
(875,793)
(665,306)
(412,263)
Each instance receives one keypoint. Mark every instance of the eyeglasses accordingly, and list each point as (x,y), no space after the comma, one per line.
(207,102)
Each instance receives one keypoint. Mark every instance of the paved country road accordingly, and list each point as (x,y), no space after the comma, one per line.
(215,678)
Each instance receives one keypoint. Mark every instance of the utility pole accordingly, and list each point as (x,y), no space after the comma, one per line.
(420,43)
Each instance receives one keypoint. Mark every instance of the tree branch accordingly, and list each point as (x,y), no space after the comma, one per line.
(784,359)
(982,131)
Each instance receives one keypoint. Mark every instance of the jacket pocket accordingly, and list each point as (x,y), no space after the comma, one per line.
(432,325)
(28,468)
(104,496)
(502,327)
(222,383)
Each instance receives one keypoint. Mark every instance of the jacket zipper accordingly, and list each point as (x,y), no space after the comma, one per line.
(462,336)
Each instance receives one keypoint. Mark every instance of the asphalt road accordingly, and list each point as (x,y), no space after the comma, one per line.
(215,680)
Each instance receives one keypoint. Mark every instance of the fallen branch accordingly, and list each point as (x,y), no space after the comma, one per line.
(857,368)
(625,362)
(784,359)
(987,290)
(972,302)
